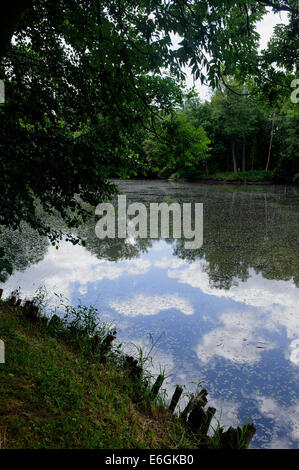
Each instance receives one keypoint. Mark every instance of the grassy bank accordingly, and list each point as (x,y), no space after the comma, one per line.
(257,176)
(254,176)
(63,386)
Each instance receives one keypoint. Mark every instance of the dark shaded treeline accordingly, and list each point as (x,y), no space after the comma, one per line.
(239,133)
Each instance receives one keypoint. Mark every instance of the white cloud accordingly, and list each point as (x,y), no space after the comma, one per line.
(227,413)
(169,263)
(72,264)
(256,291)
(294,352)
(236,340)
(285,417)
(152,304)
(279,299)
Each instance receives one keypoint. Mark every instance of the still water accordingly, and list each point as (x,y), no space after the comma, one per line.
(225,315)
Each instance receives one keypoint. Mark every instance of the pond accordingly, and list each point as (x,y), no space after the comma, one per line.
(225,315)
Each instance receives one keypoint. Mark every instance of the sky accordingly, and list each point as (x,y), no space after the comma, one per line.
(265,29)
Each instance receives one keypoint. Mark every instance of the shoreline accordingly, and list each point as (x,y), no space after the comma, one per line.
(213,181)
(65,388)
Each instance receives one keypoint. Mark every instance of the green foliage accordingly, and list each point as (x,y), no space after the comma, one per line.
(235,114)
(288,139)
(251,175)
(85,78)
(239,124)
(181,148)
(5,266)
(78,89)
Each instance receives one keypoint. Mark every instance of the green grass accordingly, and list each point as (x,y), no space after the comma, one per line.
(252,176)
(242,176)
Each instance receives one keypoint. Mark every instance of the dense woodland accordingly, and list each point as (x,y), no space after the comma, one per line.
(94,90)
(230,133)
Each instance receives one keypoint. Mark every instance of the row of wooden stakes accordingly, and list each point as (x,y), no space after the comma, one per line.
(199,419)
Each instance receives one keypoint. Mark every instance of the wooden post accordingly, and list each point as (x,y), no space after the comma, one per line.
(33,313)
(1,292)
(107,343)
(237,438)
(197,415)
(209,416)
(176,396)
(202,396)
(188,408)
(248,434)
(157,385)
(135,370)
(55,321)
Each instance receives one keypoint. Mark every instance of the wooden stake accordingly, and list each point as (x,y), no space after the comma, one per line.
(249,434)
(197,415)
(237,438)
(176,396)
(209,416)
(157,385)
(202,396)
(188,408)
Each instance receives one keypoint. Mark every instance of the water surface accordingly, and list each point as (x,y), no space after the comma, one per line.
(227,315)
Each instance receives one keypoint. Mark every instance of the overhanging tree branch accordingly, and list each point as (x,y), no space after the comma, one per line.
(282,6)
(11,14)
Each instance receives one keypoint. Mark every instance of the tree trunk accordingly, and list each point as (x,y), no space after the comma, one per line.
(207,169)
(271,141)
(244,154)
(234,156)
(253,152)
(11,13)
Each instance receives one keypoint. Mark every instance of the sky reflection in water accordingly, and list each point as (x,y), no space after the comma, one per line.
(229,311)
